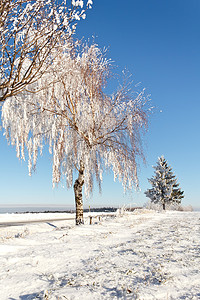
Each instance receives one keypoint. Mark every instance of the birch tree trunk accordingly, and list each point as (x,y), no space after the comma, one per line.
(78,185)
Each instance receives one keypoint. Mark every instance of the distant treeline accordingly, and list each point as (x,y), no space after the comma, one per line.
(71,211)
(98,209)
(101,209)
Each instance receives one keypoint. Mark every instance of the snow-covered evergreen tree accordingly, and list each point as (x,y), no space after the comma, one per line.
(165,189)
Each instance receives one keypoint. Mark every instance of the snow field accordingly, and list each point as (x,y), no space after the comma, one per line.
(141,255)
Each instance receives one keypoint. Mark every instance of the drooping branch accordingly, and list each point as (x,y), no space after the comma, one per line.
(79,121)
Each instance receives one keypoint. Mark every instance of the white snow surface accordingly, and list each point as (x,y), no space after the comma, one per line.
(139,255)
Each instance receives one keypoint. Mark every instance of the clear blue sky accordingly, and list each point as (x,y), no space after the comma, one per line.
(159,43)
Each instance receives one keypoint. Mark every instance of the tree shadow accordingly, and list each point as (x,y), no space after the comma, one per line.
(29,297)
(50,224)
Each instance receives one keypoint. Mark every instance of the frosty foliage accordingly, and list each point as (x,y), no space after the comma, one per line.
(29,30)
(78,120)
(165,189)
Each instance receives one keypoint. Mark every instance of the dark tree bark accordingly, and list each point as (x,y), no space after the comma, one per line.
(78,185)
(164,206)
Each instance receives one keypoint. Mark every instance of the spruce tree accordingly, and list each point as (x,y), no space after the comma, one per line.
(165,189)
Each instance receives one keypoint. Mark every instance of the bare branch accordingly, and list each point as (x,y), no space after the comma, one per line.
(29,33)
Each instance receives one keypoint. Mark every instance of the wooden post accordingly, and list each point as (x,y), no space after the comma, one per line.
(90,220)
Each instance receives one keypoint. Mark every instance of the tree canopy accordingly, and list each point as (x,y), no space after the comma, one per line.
(87,129)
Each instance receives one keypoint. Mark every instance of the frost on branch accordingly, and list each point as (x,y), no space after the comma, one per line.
(78,120)
(29,30)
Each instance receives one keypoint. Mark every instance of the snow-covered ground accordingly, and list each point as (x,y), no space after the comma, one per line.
(139,255)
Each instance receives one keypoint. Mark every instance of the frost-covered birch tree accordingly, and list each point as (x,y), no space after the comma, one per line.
(29,30)
(88,131)
(165,188)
